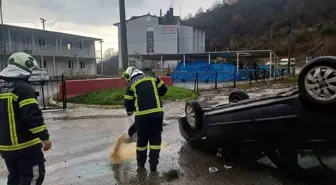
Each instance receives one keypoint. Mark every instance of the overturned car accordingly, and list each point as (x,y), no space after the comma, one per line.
(294,130)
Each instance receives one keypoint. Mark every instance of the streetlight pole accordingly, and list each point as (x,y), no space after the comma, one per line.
(123,35)
(1,11)
(43,21)
(2,43)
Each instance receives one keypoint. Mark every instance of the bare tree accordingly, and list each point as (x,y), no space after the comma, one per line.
(199,11)
(188,16)
(109,53)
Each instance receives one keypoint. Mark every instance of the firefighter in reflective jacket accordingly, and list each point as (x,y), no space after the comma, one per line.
(22,129)
(142,96)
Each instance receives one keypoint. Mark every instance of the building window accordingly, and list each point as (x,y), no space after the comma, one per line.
(150,50)
(42,41)
(80,45)
(70,64)
(82,64)
(70,45)
(23,40)
(44,66)
(150,39)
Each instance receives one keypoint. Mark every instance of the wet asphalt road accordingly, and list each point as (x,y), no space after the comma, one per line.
(80,157)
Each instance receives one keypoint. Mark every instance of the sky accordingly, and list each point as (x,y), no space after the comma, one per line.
(90,17)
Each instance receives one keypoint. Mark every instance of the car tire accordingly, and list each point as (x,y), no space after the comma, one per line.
(317,83)
(194,115)
(238,95)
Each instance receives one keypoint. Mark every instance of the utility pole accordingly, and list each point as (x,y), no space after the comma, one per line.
(272,34)
(123,35)
(101,57)
(43,21)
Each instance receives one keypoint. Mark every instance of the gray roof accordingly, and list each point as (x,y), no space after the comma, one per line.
(167,19)
(48,31)
(163,20)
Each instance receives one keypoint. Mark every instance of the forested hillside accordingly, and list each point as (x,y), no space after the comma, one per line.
(266,24)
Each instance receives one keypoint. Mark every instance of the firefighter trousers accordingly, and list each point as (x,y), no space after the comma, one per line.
(149,129)
(26,170)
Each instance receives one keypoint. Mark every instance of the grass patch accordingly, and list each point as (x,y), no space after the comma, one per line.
(116,96)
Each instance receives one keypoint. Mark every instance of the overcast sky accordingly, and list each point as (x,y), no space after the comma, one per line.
(90,17)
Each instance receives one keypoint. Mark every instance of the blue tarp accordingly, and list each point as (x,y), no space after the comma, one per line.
(204,70)
(208,72)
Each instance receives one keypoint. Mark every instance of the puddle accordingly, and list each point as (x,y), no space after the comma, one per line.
(126,152)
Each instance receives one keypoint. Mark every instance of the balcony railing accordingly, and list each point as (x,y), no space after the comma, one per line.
(46,50)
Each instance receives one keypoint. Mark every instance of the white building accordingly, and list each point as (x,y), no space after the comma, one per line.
(58,53)
(166,34)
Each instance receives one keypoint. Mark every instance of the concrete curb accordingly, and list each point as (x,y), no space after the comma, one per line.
(101,116)
(54,103)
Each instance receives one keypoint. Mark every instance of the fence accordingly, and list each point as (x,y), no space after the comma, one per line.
(226,79)
(49,88)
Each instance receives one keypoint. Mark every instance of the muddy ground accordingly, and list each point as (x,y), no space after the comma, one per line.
(80,157)
(81,138)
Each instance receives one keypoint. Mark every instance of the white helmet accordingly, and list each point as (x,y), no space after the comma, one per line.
(130,73)
(23,61)
(20,65)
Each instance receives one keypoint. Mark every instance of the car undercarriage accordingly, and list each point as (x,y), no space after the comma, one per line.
(294,130)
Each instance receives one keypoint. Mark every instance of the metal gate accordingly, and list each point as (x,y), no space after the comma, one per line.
(51,94)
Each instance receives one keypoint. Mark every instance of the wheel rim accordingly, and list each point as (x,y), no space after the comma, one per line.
(320,83)
(235,98)
(191,117)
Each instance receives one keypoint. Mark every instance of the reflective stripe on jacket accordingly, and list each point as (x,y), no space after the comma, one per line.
(21,120)
(142,95)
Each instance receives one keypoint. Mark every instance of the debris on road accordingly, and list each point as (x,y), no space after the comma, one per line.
(227,167)
(170,175)
(213,169)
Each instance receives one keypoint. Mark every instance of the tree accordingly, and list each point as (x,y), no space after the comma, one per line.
(199,12)
(109,53)
(188,16)
(215,5)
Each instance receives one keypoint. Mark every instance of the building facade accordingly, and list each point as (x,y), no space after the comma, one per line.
(57,53)
(168,34)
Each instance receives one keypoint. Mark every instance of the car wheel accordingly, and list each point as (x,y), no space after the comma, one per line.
(194,114)
(317,83)
(238,95)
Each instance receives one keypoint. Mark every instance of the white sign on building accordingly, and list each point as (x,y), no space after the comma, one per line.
(169,29)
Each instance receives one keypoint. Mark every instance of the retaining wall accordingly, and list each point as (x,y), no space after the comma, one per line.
(78,87)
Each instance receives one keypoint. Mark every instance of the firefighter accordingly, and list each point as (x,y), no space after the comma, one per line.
(22,128)
(142,96)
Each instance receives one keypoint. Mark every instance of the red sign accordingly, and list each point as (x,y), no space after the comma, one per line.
(169,30)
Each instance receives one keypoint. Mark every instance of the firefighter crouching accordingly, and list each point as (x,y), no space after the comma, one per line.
(142,96)
(22,128)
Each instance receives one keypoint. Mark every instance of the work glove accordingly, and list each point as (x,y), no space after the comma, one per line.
(127,138)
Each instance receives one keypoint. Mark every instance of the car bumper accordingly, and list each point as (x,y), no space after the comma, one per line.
(182,124)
